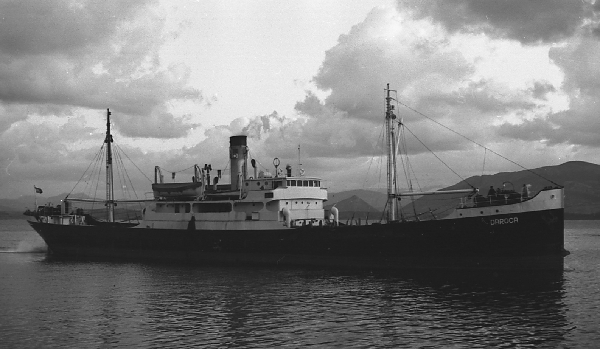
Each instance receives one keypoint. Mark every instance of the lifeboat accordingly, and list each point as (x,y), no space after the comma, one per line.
(177,191)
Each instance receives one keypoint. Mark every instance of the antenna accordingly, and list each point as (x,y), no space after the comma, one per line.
(300,170)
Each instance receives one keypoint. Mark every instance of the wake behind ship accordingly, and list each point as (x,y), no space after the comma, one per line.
(279,219)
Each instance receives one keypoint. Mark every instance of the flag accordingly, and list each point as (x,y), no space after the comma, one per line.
(38,190)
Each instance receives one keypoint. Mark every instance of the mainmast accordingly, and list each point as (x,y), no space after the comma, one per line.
(391,163)
(110,195)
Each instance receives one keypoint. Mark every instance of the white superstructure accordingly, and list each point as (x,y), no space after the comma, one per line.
(263,203)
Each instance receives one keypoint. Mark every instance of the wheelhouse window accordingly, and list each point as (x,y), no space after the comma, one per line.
(299,183)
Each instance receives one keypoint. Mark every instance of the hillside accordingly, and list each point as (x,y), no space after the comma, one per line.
(355,208)
(375,199)
(580,179)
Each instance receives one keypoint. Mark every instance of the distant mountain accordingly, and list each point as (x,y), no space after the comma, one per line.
(376,199)
(580,179)
(355,208)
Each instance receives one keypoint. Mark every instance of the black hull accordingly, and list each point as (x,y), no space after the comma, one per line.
(520,241)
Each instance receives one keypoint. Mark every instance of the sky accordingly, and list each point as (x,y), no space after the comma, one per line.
(519,78)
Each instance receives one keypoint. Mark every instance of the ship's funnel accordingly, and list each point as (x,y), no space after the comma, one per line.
(238,154)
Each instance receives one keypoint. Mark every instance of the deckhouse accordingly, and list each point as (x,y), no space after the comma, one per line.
(259,202)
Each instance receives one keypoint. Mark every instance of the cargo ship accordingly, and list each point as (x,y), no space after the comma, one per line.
(279,219)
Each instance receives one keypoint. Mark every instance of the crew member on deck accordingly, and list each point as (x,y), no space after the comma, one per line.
(525,191)
(491,192)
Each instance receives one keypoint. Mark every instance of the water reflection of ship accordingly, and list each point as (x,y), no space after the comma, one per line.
(279,219)
(487,310)
(239,307)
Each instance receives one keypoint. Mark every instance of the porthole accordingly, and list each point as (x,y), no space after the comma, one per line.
(481,212)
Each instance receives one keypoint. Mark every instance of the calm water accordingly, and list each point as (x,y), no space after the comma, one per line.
(45,303)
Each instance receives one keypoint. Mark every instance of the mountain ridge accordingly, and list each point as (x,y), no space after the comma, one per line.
(580,179)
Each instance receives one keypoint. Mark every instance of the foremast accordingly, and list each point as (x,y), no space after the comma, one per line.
(391,156)
(110,195)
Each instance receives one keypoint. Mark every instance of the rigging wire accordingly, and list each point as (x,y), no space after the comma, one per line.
(251,156)
(431,151)
(410,167)
(483,168)
(98,181)
(128,158)
(94,161)
(434,154)
(173,172)
(124,176)
(93,174)
(379,139)
(472,141)
(120,177)
(127,183)
(405,165)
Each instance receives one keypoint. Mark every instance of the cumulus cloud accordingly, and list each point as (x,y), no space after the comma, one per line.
(473,83)
(578,59)
(89,54)
(31,27)
(434,72)
(570,127)
(541,89)
(158,124)
(387,47)
(577,125)
(10,114)
(30,146)
(55,155)
(450,62)
(526,21)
